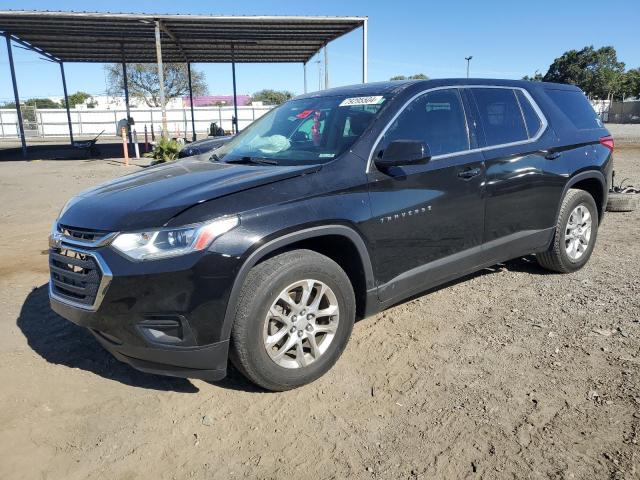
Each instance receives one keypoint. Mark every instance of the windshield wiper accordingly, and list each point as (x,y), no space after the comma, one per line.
(253,160)
(214,157)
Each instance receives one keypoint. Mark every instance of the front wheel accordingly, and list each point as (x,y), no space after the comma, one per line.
(575,234)
(293,319)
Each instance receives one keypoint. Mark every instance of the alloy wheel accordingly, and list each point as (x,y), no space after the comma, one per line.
(301,324)
(578,232)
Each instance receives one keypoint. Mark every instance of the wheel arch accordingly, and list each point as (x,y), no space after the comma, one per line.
(353,257)
(592,182)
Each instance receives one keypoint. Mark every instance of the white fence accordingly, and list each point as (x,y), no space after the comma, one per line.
(53,122)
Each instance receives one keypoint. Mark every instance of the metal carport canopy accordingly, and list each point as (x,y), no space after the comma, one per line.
(118,37)
(64,37)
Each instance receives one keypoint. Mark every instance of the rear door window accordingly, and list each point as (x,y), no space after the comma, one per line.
(576,107)
(500,115)
(531,118)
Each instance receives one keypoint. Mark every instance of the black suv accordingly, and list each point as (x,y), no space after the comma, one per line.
(331,207)
(202,146)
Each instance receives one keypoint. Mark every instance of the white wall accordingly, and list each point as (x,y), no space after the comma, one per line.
(53,122)
(8,122)
(108,102)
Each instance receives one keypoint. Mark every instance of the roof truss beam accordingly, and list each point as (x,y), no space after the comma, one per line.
(108,37)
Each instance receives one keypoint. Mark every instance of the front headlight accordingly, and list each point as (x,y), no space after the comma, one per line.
(170,242)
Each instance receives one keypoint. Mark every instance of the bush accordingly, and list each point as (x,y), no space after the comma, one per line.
(272,97)
(165,150)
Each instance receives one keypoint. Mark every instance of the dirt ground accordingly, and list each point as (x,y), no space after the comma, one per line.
(508,373)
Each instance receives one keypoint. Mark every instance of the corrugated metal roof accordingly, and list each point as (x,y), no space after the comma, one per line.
(110,37)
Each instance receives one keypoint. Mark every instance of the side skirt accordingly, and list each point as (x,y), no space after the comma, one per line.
(459,264)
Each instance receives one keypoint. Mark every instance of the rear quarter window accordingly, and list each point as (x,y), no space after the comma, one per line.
(531,118)
(576,108)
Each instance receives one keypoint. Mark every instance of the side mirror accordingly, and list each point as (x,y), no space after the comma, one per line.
(403,152)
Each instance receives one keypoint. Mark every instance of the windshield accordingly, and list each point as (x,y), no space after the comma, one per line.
(304,131)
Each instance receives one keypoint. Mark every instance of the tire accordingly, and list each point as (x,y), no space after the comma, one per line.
(557,258)
(261,295)
(622,202)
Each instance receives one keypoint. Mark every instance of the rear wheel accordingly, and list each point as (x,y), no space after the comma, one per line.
(575,234)
(294,317)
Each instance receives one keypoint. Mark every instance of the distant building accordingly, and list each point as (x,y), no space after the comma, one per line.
(216,100)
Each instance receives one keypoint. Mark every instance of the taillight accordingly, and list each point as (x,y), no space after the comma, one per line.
(607,142)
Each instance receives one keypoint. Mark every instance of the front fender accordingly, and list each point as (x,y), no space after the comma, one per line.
(261,250)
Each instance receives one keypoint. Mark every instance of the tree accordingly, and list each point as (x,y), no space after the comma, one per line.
(79,98)
(597,72)
(272,97)
(144,83)
(607,74)
(42,103)
(631,83)
(416,76)
(35,102)
(537,77)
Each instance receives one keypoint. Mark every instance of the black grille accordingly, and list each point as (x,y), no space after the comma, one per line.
(74,275)
(81,233)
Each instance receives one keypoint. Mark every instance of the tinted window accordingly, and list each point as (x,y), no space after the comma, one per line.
(531,118)
(500,115)
(436,118)
(576,107)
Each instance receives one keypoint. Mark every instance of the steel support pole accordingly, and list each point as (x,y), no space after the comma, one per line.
(193,120)
(235,96)
(161,79)
(304,74)
(126,98)
(66,102)
(365,51)
(326,68)
(16,96)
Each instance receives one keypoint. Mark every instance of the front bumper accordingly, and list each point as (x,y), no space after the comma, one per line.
(207,362)
(164,317)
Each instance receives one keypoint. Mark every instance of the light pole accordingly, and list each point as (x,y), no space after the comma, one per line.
(468,59)
(319,62)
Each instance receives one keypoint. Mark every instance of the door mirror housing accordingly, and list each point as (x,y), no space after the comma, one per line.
(404,152)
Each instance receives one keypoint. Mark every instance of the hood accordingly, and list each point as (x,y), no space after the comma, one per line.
(152,197)
(204,145)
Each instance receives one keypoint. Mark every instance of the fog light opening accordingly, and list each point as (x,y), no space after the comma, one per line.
(166,330)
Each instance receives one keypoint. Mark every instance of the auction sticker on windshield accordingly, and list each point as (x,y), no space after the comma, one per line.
(372,100)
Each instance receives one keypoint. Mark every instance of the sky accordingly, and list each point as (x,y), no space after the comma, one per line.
(507,39)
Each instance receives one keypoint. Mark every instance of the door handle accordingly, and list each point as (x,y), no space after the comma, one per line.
(552,155)
(468,173)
